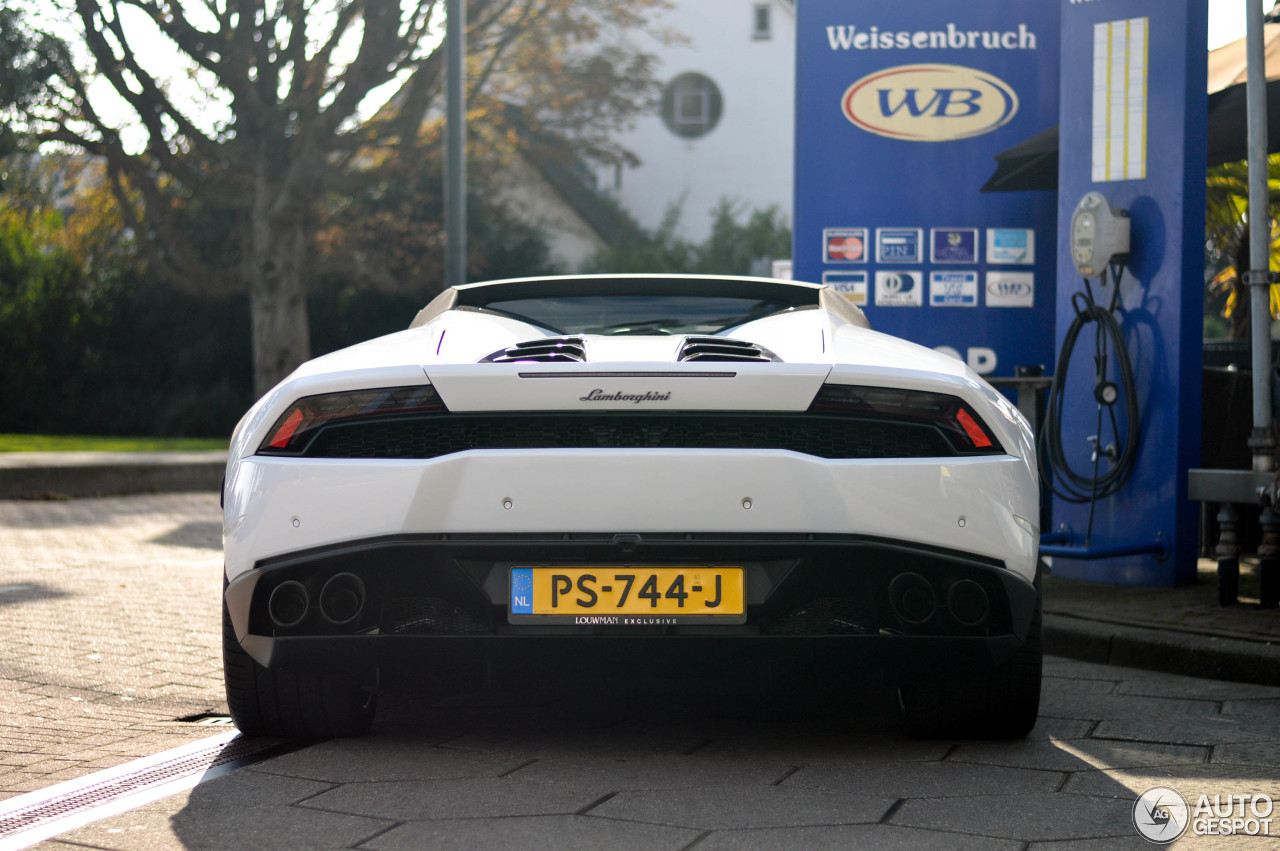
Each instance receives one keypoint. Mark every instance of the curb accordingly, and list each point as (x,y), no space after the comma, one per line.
(48,475)
(1188,654)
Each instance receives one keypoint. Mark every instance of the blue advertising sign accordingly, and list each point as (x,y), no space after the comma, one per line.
(900,109)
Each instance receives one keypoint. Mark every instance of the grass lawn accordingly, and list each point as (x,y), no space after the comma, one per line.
(75,443)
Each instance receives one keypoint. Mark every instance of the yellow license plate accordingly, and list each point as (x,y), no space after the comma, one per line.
(622,595)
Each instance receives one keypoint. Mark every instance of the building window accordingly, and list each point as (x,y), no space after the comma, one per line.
(691,105)
(762,29)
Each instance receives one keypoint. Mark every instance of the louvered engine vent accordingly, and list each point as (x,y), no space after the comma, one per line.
(720,349)
(550,350)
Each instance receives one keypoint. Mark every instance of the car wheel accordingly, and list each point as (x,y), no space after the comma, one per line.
(1001,702)
(289,704)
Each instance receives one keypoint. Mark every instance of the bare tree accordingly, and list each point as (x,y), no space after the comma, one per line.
(296,79)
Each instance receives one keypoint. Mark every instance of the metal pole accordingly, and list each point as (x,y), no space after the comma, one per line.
(1262,441)
(455,184)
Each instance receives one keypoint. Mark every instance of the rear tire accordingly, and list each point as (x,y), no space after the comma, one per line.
(1001,702)
(289,704)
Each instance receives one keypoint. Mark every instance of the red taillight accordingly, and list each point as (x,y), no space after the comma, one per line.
(291,433)
(281,440)
(971,428)
(942,410)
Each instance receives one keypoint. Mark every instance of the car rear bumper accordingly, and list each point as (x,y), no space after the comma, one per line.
(431,599)
(985,506)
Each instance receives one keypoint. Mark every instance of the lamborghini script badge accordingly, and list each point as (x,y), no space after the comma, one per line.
(599,395)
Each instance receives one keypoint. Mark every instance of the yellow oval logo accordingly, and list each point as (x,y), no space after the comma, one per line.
(930,103)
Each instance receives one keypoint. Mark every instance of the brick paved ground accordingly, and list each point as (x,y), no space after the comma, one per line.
(109,631)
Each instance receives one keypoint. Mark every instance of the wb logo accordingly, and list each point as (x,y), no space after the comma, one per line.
(929,103)
(944,103)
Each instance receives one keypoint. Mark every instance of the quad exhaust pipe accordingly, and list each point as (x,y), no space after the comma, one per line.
(915,602)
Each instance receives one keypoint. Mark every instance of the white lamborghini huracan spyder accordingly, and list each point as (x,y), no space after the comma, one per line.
(657,462)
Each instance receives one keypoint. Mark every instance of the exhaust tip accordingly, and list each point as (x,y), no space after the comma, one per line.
(912,598)
(288,604)
(968,603)
(342,598)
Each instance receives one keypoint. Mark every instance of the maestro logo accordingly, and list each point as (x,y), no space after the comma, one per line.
(929,103)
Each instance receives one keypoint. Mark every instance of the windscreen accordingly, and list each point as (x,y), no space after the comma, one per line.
(637,314)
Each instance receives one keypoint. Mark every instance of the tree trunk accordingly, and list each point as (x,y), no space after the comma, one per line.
(277,296)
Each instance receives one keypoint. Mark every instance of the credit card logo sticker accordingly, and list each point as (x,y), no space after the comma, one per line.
(899,245)
(1011,289)
(953,245)
(844,245)
(953,289)
(852,285)
(1011,245)
(899,289)
(929,102)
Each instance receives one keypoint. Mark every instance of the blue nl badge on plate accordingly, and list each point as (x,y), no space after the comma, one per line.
(521,591)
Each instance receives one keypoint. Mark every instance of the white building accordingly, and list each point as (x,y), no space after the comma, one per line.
(726,123)
(724,130)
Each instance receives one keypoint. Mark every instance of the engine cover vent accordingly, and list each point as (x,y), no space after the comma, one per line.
(550,350)
(721,349)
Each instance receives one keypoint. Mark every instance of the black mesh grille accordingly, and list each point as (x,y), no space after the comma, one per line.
(827,616)
(431,616)
(807,433)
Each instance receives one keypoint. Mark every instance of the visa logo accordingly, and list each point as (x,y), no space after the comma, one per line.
(929,103)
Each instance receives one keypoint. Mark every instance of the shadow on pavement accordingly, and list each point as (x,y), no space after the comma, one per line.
(647,759)
(202,534)
(29,592)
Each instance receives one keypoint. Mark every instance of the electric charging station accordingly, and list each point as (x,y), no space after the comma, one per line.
(1131,196)
(900,108)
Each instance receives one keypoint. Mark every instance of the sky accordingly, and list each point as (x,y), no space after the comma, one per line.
(1226,20)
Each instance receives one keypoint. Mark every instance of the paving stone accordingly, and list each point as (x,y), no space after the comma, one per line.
(1169,685)
(1248,753)
(1189,730)
(927,780)
(534,743)
(739,807)
(1027,817)
(882,837)
(1264,709)
(852,749)
(1137,843)
(1051,685)
(1099,706)
(246,814)
(653,772)
(553,833)
(387,758)
(1076,754)
(105,604)
(1113,843)
(1048,727)
(1191,780)
(416,800)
